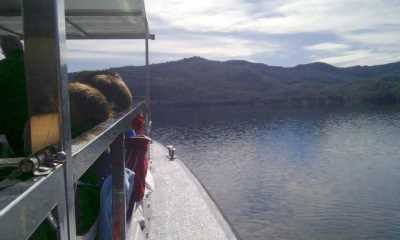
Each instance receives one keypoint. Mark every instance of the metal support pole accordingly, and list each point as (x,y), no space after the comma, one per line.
(118,188)
(47,88)
(60,213)
(148,89)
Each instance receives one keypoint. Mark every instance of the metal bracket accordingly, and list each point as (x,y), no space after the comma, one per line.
(39,164)
(171,152)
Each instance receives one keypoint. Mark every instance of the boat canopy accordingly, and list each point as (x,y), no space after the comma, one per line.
(87,19)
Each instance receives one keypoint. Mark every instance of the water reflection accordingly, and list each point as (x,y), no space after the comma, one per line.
(294,174)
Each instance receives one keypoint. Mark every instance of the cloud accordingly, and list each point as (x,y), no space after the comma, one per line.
(275,32)
(276,17)
(375,37)
(347,58)
(358,25)
(170,48)
(204,16)
(327,47)
(214,47)
(329,15)
(362,57)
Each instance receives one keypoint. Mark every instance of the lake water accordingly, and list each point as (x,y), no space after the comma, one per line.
(285,174)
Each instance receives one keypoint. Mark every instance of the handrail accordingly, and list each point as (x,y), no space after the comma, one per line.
(34,198)
(27,203)
(89,146)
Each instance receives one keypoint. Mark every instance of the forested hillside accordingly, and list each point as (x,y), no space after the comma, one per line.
(195,81)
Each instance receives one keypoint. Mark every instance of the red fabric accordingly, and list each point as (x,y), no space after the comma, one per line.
(137,161)
(138,124)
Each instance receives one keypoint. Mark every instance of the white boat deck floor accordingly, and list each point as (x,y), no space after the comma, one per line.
(180,207)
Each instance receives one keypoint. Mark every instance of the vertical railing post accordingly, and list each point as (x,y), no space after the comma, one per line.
(47,88)
(118,188)
(148,88)
(61,216)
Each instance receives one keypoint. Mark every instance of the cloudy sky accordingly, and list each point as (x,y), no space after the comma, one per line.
(274,32)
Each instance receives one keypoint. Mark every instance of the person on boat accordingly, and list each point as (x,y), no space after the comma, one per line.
(105,218)
(13,103)
(137,156)
(135,173)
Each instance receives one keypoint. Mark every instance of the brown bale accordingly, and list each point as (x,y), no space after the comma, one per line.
(88,107)
(111,85)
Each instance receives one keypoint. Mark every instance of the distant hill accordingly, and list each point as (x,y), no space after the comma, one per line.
(197,81)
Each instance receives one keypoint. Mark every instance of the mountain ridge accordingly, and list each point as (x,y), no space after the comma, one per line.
(197,81)
(198,58)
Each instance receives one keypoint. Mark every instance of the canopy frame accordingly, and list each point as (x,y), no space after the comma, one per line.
(83,32)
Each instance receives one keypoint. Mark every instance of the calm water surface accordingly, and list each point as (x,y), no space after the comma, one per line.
(294,174)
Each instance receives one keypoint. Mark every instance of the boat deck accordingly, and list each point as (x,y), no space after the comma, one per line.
(180,206)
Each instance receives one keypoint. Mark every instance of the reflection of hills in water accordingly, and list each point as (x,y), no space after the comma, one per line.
(310,174)
(200,81)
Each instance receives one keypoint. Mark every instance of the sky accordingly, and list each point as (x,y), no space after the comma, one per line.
(274,32)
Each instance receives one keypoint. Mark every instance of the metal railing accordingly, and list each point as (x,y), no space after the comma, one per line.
(26,204)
